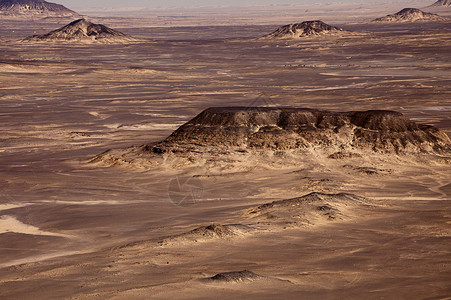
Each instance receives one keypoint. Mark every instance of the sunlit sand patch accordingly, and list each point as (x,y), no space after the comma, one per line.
(11,224)
(93,202)
(337,87)
(11,206)
(99,115)
(158,115)
(438,108)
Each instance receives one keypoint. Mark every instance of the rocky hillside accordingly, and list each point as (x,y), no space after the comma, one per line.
(410,15)
(439,3)
(82,30)
(34,8)
(242,129)
(304,29)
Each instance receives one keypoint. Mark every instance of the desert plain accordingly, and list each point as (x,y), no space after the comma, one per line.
(373,226)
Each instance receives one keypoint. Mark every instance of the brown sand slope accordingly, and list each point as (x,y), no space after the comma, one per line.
(63,104)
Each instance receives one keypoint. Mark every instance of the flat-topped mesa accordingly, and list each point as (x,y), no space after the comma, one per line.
(410,15)
(34,8)
(240,128)
(82,30)
(304,29)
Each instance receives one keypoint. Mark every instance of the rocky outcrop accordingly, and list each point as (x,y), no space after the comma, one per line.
(304,29)
(222,129)
(410,15)
(234,277)
(34,8)
(207,233)
(83,30)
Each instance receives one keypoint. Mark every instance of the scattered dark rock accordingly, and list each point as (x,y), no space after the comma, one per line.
(234,277)
(369,170)
(209,232)
(342,155)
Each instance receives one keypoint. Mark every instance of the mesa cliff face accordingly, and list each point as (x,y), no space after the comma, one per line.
(301,128)
(440,3)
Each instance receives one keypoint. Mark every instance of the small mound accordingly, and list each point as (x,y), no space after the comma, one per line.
(304,29)
(309,209)
(369,170)
(234,277)
(410,15)
(215,231)
(83,30)
(210,232)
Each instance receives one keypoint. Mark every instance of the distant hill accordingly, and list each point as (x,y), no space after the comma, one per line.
(83,31)
(446,3)
(410,15)
(34,8)
(304,29)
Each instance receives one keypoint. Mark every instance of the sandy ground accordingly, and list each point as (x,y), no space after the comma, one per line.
(74,230)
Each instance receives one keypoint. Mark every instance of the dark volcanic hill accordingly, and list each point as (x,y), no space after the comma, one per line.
(82,30)
(410,15)
(445,3)
(34,8)
(223,129)
(304,29)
